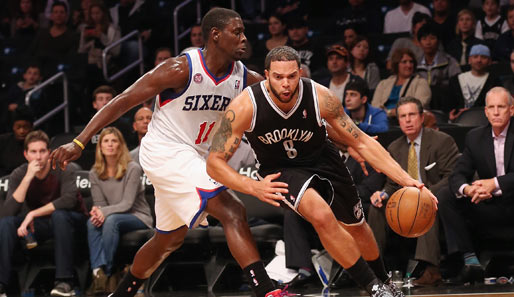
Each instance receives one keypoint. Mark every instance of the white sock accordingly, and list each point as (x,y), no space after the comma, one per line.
(96,270)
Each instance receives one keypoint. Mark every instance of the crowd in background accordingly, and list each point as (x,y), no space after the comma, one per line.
(445,54)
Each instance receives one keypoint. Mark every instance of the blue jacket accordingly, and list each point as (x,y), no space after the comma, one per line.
(375,120)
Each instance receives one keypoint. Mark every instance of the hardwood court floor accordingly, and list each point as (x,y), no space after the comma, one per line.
(315,291)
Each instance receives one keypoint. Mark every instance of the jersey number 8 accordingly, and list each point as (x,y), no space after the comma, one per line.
(290,150)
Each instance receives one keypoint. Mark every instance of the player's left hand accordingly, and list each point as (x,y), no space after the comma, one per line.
(269,191)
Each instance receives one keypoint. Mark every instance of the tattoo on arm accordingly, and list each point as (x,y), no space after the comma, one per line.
(223,134)
(335,110)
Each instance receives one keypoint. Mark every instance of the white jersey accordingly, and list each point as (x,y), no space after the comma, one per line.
(189,117)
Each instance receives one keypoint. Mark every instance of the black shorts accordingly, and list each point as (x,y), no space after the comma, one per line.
(330,178)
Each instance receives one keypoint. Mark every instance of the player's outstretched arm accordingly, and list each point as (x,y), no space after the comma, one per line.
(226,140)
(172,73)
(346,132)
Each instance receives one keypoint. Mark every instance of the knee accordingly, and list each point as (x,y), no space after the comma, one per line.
(322,218)
(110,224)
(235,213)
(59,216)
(90,226)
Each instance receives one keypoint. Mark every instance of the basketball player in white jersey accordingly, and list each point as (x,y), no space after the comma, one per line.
(194,90)
(284,119)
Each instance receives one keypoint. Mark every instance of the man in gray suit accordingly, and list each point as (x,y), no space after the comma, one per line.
(429,156)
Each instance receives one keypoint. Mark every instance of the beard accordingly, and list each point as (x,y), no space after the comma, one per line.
(275,92)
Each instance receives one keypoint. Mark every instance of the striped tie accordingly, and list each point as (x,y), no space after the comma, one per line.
(412,163)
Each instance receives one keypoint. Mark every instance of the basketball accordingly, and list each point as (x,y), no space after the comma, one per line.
(410,212)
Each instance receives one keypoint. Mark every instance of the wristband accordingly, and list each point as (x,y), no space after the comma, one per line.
(77,142)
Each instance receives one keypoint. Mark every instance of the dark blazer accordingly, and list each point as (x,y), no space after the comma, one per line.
(457,99)
(438,151)
(478,156)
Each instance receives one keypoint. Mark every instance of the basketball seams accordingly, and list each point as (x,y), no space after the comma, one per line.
(398,210)
(416,214)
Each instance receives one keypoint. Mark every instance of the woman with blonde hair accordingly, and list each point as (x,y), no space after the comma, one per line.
(119,205)
(460,47)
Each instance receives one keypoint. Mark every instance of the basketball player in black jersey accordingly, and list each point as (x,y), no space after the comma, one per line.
(284,119)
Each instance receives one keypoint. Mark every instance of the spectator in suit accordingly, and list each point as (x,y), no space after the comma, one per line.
(436,66)
(403,82)
(505,43)
(11,150)
(400,19)
(44,202)
(119,206)
(468,89)
(428,156)
(337,64)
(369,119)
(481,185)
(508,82)
(460,47)
(142,118)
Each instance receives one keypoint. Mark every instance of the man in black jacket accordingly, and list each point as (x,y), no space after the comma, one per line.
(487,202)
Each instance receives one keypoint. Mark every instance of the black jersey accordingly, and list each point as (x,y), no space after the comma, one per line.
(291,139)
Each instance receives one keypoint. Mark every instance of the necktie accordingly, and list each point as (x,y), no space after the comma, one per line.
(412,162)
(463,54)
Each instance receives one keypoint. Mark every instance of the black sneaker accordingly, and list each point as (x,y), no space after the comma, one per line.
(2,291)
(397,292)
(62,289)
(381,290)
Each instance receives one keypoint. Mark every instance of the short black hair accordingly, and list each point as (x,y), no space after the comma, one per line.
(217,17)
(282,53)
(60,3)
(428,29)
(359,86)
(419,17)
(409,99)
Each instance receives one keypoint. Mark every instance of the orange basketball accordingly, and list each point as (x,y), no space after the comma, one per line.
(410,213)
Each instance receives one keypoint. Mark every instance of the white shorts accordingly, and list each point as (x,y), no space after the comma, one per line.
(182,185)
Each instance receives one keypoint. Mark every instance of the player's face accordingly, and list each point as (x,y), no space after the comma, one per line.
(110,145)
(411,121)
(497,110)
(283,79)
(232,38)
(38,150)
(141,120)
(353,100)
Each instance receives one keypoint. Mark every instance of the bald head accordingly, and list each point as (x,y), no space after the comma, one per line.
(141,120)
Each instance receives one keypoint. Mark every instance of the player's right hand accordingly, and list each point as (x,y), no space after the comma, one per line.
(64,154)
(269,191)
